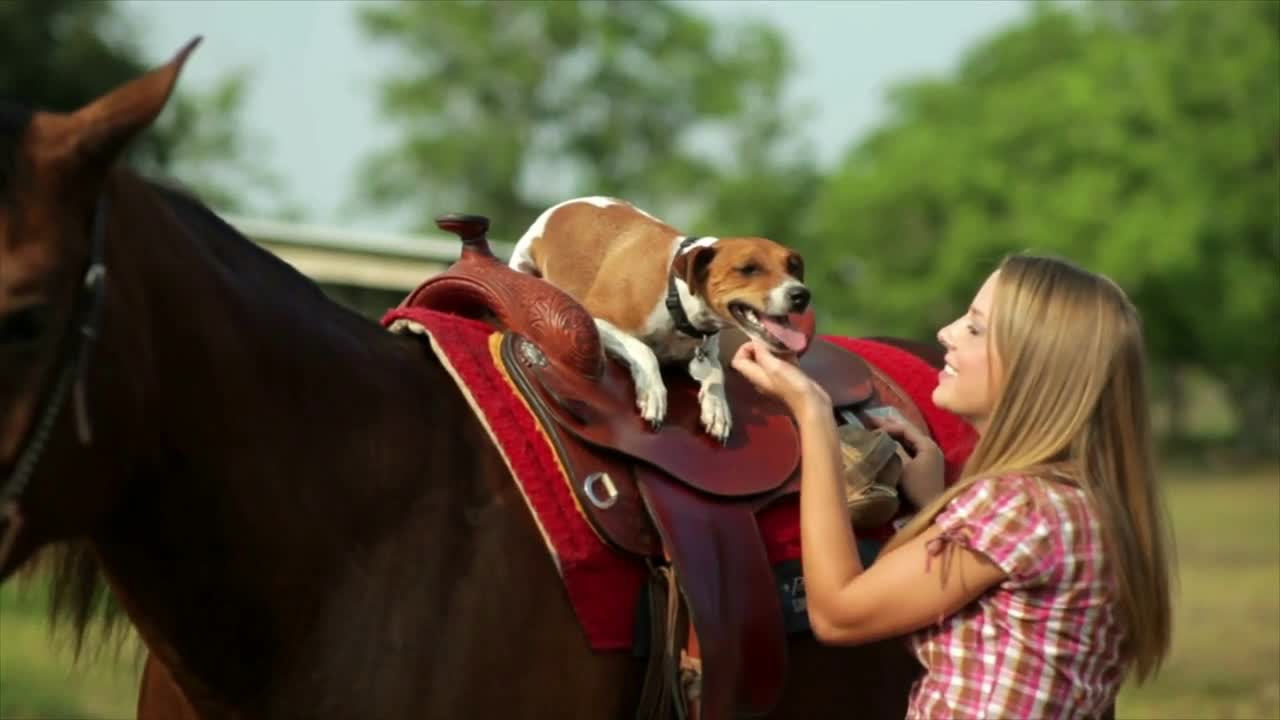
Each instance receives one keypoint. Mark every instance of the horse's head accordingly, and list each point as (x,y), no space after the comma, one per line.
(54,171)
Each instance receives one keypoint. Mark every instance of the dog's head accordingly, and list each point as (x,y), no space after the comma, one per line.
(753,283)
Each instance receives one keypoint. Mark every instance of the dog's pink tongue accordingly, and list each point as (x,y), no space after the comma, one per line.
(795,340)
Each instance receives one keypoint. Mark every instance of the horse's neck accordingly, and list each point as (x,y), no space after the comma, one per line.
(289,449)
(262,391)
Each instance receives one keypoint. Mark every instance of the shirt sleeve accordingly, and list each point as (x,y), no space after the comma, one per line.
(1000,518)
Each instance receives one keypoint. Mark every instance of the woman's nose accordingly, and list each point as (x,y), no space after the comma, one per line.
(942,336)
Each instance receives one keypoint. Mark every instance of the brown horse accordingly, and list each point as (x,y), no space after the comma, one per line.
(297,509)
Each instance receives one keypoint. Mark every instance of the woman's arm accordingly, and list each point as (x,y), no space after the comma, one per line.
(898,595)
(903,590)
(828,546)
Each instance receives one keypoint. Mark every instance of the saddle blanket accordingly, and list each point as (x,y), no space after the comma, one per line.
(604,585)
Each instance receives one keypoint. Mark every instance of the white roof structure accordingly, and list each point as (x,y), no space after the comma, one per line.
(343,256)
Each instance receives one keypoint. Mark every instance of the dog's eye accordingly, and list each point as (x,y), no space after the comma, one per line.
(749,269)
(795,266)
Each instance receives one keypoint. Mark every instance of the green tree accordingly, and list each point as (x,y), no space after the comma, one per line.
(58,54)
(1141,139)
(503,108)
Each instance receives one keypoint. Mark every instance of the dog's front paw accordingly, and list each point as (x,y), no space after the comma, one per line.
(715,412)
(651,399)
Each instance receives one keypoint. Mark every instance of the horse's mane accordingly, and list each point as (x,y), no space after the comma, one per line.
(78,594)
(236,254)
(14,120)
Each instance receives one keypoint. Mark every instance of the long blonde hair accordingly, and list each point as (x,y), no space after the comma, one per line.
(1072,401)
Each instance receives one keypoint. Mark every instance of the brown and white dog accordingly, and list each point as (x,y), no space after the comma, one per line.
(659,297)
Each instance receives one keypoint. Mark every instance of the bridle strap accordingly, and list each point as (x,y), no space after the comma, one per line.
(72,370)
(95,286)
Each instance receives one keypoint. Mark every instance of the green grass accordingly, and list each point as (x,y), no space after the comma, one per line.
(40,679)
(1226,646)
(1226,650)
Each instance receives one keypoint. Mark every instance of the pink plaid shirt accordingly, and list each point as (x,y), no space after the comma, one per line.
(1044,642)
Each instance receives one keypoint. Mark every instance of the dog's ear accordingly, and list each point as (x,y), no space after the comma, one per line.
(694,266)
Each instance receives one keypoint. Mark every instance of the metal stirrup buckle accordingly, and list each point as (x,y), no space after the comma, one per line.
(609,499)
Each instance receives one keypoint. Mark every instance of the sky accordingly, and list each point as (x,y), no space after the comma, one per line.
(313,97)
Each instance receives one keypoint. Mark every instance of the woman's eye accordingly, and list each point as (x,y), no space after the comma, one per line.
(972,330)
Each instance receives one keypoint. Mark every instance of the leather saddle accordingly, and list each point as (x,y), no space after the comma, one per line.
(674,497)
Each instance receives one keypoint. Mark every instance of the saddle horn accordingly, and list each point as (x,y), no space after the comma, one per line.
(479,285)
(471,230)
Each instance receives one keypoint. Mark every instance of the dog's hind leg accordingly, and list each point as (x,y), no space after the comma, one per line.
(705,367)
(651,392)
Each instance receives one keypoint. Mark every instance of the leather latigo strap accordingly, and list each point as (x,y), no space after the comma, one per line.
(730,590)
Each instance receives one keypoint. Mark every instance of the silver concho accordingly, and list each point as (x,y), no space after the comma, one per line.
(531,355)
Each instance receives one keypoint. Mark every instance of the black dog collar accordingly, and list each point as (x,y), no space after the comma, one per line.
(675,307)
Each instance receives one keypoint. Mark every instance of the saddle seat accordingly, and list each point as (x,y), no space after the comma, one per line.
(672,497)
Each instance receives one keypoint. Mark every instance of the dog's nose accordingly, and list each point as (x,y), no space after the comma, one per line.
(798,296)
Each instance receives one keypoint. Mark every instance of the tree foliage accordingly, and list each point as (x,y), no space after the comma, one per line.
(503,108)
(59,54)
(1141,139)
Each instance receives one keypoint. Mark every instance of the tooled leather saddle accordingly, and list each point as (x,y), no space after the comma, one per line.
(673,498)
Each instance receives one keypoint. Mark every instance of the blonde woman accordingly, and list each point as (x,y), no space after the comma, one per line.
(1034,585)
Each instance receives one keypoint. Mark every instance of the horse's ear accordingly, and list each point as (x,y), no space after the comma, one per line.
(95,134)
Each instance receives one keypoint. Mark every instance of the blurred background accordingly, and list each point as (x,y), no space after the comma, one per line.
(903,147)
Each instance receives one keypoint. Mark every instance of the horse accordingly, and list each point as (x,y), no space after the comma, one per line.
(296,509)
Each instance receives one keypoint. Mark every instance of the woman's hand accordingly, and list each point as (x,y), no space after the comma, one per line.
(924,467)
(780,378)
